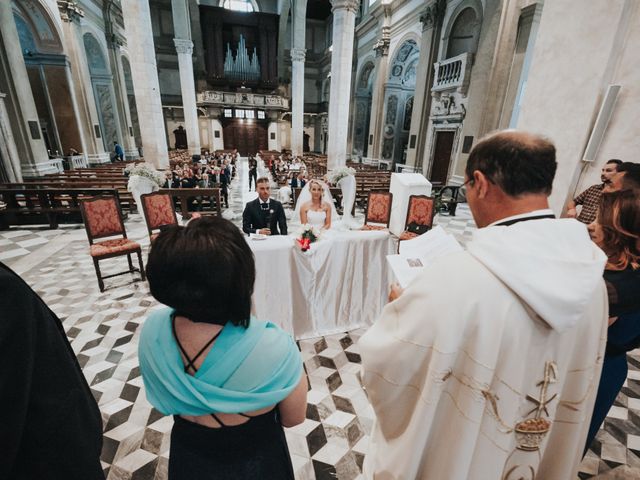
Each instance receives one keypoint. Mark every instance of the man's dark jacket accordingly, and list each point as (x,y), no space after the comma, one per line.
(255,218)
(50,425)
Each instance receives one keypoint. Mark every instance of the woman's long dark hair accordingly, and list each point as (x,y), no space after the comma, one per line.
(619,218)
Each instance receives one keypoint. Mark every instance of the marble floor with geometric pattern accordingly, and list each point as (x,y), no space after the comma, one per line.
(332,442)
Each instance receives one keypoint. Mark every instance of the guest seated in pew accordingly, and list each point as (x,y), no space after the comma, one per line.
(231,382)
(171,180)
(188,179)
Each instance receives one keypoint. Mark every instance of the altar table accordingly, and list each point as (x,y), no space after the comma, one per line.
(340,284)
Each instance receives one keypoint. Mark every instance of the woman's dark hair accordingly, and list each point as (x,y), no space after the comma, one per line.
(631,177)
(205,271)
(619,218)
(518,162)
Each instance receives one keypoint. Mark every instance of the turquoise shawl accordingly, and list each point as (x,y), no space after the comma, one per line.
(245,370)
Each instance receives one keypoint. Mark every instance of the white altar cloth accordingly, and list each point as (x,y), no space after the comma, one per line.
(340,284)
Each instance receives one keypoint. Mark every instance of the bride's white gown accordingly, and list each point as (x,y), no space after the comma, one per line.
(316,219)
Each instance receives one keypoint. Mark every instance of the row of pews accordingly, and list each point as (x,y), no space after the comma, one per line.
(54,199)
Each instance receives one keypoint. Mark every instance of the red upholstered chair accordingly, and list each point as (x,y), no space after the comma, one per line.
(102,217)
(420,213)
(378,210)
(159,211)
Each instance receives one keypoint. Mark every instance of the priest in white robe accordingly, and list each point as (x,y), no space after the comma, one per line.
(487,366)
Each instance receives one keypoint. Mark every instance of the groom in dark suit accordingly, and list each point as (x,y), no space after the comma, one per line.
(264,215)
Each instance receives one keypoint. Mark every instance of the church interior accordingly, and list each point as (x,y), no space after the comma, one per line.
(291,90)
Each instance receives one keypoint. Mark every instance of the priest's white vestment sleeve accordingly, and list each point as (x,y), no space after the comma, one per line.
(487,365)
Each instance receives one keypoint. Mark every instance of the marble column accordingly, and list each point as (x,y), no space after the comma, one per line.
(431,19)
(534,18)
(122,101)
(184,49)
(282,32)
(376,123)
(144,72)
(8,145)
(188,89)
(344,21)
(297,99)
(34,158)
(298,53)
(81,88)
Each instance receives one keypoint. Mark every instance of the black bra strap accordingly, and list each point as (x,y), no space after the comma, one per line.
(215,417)
(191,361)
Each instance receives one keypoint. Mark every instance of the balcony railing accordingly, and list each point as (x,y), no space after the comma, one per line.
(239,99)
(453,73)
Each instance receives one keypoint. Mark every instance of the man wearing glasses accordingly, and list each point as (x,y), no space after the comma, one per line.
(487,365)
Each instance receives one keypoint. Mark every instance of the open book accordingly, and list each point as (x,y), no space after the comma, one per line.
(419,252)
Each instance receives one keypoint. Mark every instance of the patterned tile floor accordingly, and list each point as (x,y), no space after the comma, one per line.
(331,443)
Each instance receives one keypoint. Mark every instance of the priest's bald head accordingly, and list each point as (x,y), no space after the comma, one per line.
(509,173)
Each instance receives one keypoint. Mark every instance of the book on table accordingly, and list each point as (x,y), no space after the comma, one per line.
(418,253)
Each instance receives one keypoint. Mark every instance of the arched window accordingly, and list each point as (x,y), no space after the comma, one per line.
(238,5)
(464,34)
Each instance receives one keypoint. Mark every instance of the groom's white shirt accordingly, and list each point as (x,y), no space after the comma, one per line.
(455,364)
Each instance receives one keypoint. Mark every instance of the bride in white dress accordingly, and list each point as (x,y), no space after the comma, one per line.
(317,211)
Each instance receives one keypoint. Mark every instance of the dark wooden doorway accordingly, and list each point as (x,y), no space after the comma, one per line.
(442,157)
(246,136)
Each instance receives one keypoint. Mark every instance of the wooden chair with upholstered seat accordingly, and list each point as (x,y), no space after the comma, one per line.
(420,214)
(102,217)
(159,211)
(378,213)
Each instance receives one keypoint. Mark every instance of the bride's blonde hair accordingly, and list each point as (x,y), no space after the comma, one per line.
(317,182)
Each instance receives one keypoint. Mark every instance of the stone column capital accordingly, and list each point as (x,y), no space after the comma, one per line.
(114,41)
(381,47)
(349,5)
(433,14)
(298,54)
(70,11)
(183,45)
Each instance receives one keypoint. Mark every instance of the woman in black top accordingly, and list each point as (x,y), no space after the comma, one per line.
(617,231)
(231,381)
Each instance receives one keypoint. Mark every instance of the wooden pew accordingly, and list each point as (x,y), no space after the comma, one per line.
(447,198)
(33,206)
(207,199)
(126,198)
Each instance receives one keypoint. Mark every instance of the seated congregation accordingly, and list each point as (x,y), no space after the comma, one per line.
(498,361)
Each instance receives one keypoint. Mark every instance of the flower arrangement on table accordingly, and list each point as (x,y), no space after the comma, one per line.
(307,235)
(143,170)
(337,174)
